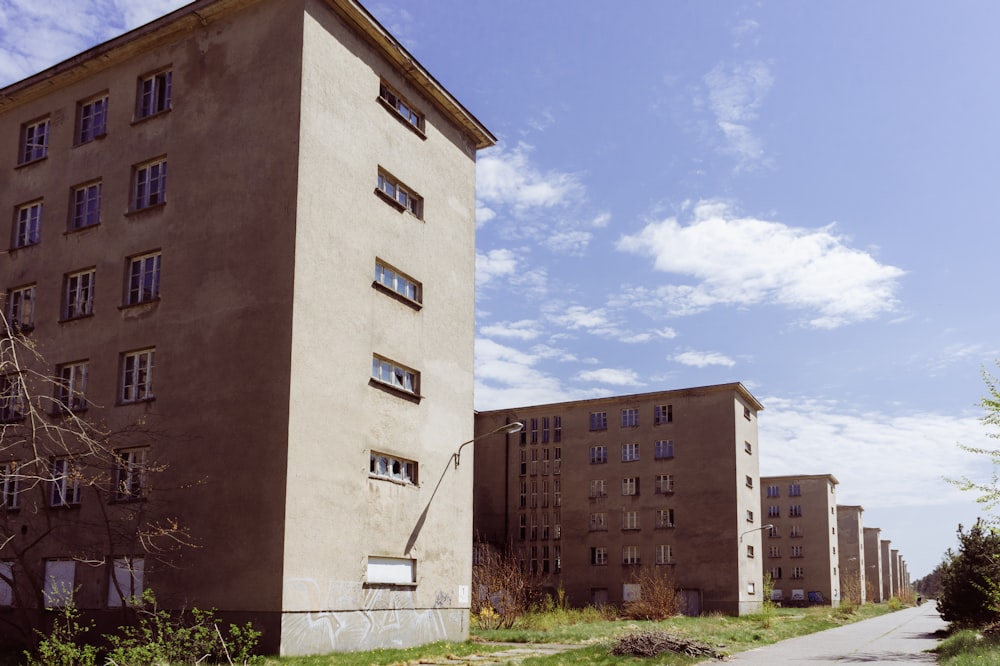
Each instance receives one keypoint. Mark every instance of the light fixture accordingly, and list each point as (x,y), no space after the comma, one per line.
(506,429)
(762,527)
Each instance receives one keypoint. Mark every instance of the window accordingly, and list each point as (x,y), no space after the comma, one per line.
(28,225)
(71,387)
(392,100)
(751,586)
(795,531)
(750,552)
(534,494)
(798,572)
(749,481)
(60,580)
(92,119)
(746,413)
(598,521)
(664,484)
(795,510)
(149,184)
(34,141)
(523,526)
(774,512)
(65,483)
(775,573)
(6,583)
(130,474)
(630,520)
(533,470)
(630,452)
(748,447)
(630,418)
(598,455)
(557,460)
(772,531)
(21,309)
(664,518)
(630,555)
(663,449)
(137,376)
(125,581)
(556,526)
(86,207)
(794,490)
(387,372)
(78,294)
(796,551)
(153,95)
(664,554)
(774,551)
(556,428)
(399,194)
(12,399)
(384,466)
(556,492)
(10,485)
(772,491)
(598,420)
(545,430)
(749,516)
(663,414)
(533,429)
(598,488)
(630,485)
(545,462)
(598,556)
(397,282)
(524,495)
(391,570)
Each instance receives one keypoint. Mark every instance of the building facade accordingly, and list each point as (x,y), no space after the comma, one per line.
(802,544)
(851,553)
(289,311)
(592,491)
(889,589)
(873,565)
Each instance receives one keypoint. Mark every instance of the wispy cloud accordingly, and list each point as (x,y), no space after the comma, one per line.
(493,264)
(700,359)
(507,177)
(611,376)
(743,261)
(735,96)
(520,330)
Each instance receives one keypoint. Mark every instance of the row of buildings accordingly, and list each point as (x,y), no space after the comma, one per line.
(237,363)
(591,491)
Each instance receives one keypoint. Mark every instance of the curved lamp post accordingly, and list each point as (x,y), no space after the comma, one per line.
(507,429)
(762,527)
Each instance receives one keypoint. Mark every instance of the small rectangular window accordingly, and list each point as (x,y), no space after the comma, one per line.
(663,449)
(749,481)
(397,376)
(598,488)
(630,485)
(400,195)
(598,556)
(130,474)
(71,386)
(394,101)
(137,376)
(663,414)
(86,206)
(391,570)
(630,520)
(664,518)
(630,452)
(92,119)
(397,282)
(630,555)
(598,521)
(125,581)
(149,184)
(60,582)
(598,420)
(153,95)
(64,485)
(665,484)
(630,418)
(28,224)
(598,455)
(78,294)
(10,486)
(34,141)
(393,468)
(664,554)
(13,401)
(21,309)
(143,279)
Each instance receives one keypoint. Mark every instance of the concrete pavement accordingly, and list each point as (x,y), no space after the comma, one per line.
(896,638)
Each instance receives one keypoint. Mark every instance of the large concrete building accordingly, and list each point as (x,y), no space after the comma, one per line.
(302,285)
(592,490)
(873,565)
(851,553)
(802,544)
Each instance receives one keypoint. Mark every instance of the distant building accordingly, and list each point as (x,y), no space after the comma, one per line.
(889,588)
(592,491)
(873,565)
(292,308)
(801,548)
(851,553)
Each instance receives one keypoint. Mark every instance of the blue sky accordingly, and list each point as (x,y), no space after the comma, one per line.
(797,196)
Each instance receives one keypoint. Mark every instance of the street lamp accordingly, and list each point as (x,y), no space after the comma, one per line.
(507,429)
(762,527)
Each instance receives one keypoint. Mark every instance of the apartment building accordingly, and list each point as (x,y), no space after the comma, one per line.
(873,565)
(593,491)
(851,553)
(288,308)
(801,545)
(889,587)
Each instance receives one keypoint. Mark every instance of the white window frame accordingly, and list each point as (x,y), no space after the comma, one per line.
(774,551)
(71,386)
(392,468)
(749,516)
(125,581)
(664,554)
(630,520)
(64,488)
(796,551)
(598,488)
(21,308)
(10,487)
(34,141)
(598,455)
(86,206)
(598,521)
(137,376)
(399,194)
(630,417)
(663,449)
(598,421)
(774,491)
(664,518)
(12,398)
(78,294)
(153,94)
(630,452)
(774,511)
(795,511)
(392,374)
(92,119)
(630,554)
(664,484)
(60,583)
(28,224)
(130,473)
(397,282)
(397,104)
(143,278)
(663,414)
(599,556)
(630,486)
(149,184)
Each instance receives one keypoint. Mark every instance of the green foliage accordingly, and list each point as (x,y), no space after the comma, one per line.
(63,645)
(969,647)
(989,491)
(970,579)
(895,604)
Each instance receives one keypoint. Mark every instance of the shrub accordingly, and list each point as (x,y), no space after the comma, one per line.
(63,645)
(658,598)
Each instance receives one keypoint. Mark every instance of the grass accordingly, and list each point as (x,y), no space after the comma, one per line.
(594,634)
(969,647)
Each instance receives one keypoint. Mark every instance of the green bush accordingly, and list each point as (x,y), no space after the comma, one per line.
(63,645)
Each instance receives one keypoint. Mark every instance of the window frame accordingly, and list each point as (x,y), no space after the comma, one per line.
(388,279)
(149,185)
(664,518)
(598,421)
(664,484)
(631,554)
(142,278)
(598,455)
(136,376)
(663,414)
(630,520)
(630,452)
(598,488)
(389,98)
(71,386)
(91,118)
(85,207)
(663,449)
(27,229)
(13,400)
(401,378)
(31,148)
(15,310)
(398,194)
(598,556)
(131,465)
(133,569)
(155,98)
(630,417)
(58,588)
(630,486)
(78,294)
(10,486)
(664,554)
(64,486)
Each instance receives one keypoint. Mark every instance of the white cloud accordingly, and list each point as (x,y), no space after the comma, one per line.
(735,95)
(700,359)
(602,220)
(494,264)
(522,330)
(507,178)
(573,243)
(742,261)
(612,376)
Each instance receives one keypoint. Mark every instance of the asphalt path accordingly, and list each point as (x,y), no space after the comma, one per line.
(901,637)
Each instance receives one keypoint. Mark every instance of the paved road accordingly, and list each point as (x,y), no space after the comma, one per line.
(896,638)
